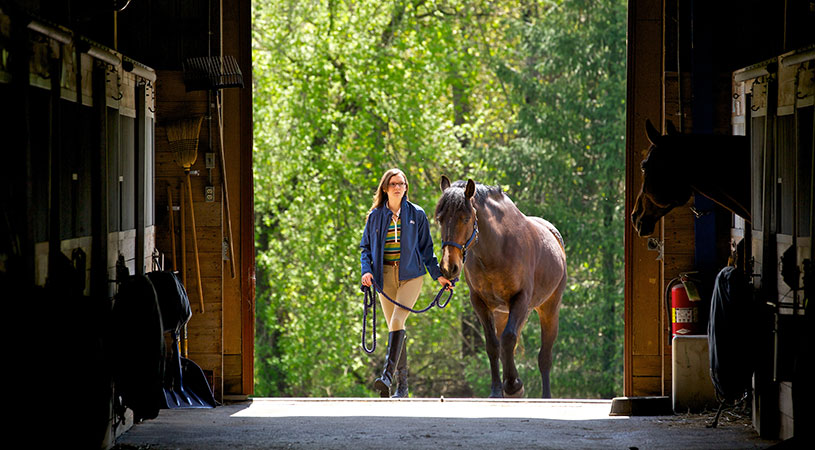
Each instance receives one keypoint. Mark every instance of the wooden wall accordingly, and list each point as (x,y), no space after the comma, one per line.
(643,273)
(77,200)
(689,68)
(126,111)
(205,328)
(239,292)
(222,338)
(160,35)
(781,94)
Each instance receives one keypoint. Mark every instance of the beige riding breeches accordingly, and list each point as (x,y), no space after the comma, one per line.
(405,292)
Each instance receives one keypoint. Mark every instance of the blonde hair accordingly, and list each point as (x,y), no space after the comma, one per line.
(381,197)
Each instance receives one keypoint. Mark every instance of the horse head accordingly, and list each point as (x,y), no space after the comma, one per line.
(455,214)
(663,187)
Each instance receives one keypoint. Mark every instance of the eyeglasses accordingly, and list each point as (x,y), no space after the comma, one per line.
(393,185)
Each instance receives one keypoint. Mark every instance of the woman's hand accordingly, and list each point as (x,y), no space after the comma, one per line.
(367,279)
(445,282)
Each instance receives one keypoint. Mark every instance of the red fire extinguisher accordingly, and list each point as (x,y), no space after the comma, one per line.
(684,306)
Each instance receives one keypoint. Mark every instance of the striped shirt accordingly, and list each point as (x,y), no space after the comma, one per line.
(392,246)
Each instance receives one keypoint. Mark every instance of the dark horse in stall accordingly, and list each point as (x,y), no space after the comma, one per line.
(513,264)
(677,165)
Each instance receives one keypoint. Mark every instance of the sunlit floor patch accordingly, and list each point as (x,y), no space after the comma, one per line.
(435,408)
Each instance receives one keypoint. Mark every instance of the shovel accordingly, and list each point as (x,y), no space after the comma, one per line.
(185,385)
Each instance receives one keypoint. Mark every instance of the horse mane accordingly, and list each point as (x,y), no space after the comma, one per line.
(453,197)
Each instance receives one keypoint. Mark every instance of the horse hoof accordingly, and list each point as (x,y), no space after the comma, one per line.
(518,392)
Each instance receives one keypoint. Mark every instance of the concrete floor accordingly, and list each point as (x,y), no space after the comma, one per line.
(288,423)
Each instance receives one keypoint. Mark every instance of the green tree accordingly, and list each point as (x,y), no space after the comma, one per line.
(468,88)
(345,90)
(567,163)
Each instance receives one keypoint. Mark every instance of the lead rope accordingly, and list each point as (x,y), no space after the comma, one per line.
(368,301)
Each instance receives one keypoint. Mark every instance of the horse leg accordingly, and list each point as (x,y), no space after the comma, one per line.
(500,319)
(500,322)
(548,314)
(487,322)
(518,312)
(549,325)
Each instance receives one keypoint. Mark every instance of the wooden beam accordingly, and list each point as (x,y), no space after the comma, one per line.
(642,271)
(99,186)
(140,147)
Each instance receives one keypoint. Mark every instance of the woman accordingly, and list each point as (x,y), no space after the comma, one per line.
(396,248)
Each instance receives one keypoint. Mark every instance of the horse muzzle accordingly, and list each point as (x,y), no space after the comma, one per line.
(642,219)
(643,225)
(450,265)
(451,274)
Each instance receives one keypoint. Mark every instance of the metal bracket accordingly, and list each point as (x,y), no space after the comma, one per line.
(656,245)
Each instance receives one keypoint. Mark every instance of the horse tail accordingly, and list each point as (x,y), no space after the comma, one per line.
(557,234)
(559,238)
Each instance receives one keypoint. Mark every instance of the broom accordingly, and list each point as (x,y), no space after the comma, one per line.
(183,138)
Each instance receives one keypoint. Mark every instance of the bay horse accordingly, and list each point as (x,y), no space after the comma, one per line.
(513,264)
(677,165)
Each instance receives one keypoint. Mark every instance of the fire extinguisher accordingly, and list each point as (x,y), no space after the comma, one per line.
(683,306)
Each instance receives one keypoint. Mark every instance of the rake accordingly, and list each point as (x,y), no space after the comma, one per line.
(214,73)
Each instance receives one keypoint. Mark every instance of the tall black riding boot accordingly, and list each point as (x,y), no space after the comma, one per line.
(402,374)
(396,340)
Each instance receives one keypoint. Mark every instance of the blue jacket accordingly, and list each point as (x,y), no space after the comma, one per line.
(416,250)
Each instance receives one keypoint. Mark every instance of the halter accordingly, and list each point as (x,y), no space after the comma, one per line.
(473,239)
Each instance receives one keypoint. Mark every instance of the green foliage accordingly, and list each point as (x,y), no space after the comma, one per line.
(526,94)
(567,164)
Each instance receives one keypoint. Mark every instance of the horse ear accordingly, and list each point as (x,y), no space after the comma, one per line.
(671,129)
(445,183)
(470,190)
(653,134)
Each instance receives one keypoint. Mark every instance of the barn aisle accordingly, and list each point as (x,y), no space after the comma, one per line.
(424,423)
